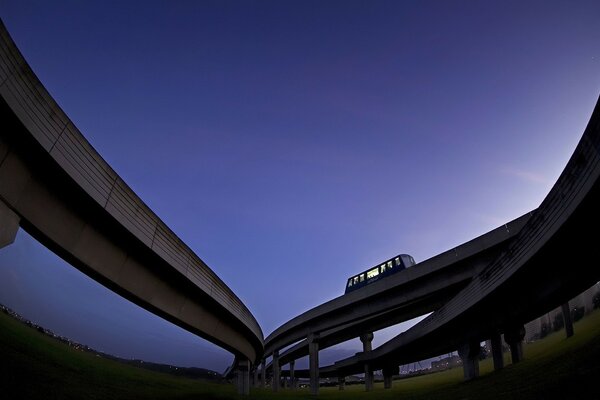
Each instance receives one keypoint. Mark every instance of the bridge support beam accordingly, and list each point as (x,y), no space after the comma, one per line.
(9,225)
(566,312)
(313,362)
(292,377)
(388,374)
(341,382)
(276,372)
(514,337)
(243,377)
(367,340)
(469,354)
(497,353)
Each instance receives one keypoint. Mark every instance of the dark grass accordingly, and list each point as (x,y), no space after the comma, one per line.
(35,366)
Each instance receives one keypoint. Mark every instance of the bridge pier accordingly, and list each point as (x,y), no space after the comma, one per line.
(566,312)
(9,225)
(313,361)
(341,382)
(469,354)
(276,372)
(388,374)
(292,378)
(367,341)
(514,337)
(497,354)
(243,377)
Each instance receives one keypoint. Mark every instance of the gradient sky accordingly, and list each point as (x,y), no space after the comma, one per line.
(292,144)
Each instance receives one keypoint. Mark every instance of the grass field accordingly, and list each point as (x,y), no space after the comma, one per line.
(35,366)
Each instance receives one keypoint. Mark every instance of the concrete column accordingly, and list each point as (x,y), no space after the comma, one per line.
(341,382)
(496,341)
(243,377)
(514,337)
(292,378)
(255,382)
(263,374)
(566,311)
(469,354)
(276,372)
(9,225)
(388,374)
(313,361)
(367,340)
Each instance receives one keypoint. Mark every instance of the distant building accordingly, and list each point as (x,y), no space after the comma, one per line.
(446,363)
(552,321)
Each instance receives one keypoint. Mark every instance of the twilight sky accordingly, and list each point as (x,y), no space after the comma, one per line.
(292,144)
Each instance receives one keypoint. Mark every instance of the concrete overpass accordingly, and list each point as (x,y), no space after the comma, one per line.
(58,188)
(408,294)
(550,260)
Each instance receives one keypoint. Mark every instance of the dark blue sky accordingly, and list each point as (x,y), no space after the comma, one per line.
(292,144)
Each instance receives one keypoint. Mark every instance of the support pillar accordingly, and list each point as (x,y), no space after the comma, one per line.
(243,377)
(514,337)
(388,374)
(341,382)
(9,225)
(292,377)
(469,354)
(367,339)
(566,311)
(497,353)
(276,372)
(313,361)
(255,383)
(263,374)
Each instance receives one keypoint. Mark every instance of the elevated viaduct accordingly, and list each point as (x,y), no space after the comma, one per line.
(54,185)
(405,295)
(539,267)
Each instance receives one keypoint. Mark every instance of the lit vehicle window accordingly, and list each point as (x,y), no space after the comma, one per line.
(349,282)
(355,280)
(362,277)
(372,273)
(389,264)
(397,261)
(382,268)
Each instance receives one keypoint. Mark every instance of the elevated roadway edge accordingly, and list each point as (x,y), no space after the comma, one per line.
(551,260)
(57,187)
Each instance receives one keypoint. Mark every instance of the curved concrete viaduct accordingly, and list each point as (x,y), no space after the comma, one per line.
(550,260)
(58,188)
(413,292)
